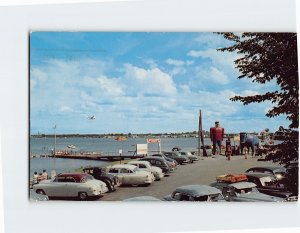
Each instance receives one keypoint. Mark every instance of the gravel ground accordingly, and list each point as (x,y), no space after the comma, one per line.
(203,171)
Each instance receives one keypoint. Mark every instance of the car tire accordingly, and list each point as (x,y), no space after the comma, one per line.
(82,196)
(109,185)
(40,191)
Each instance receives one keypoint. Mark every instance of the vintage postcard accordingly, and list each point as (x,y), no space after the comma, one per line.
(163,116)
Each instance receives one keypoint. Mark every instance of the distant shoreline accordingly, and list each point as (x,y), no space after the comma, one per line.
(148,135)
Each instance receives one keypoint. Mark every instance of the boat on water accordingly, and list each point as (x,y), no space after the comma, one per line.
(71,147)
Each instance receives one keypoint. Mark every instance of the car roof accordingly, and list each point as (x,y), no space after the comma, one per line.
(258,174)
(242,185)
(76,176)
(142,198)
(153,157)
(139,162)
(198,190)
(128,166)
(270,168)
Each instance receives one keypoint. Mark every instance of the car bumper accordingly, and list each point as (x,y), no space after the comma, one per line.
(148,181)
(185,162)
(94,193)
(159,176)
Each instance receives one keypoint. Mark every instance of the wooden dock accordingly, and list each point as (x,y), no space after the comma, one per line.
(99,157)
(91,156)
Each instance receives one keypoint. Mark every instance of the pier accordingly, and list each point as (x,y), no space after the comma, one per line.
(90,156)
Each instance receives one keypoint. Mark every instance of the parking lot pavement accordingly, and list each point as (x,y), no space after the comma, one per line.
(203,171)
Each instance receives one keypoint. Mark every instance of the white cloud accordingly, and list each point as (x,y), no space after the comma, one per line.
(148,81)
(217,58)
(152,64)
(37,76)
(65,109)
(178,70)
(178,65)
(211,40)
(175,62)
(110,86)
(249,93)
(212,74)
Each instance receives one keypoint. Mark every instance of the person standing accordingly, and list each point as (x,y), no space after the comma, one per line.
(216,136)
(45,175)
(35,178)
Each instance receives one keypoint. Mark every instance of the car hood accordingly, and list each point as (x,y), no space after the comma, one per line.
(258,197)
(96,182)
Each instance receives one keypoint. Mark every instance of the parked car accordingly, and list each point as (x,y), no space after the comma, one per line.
(158,162)
(99,173)
(79,185)
(181,159)
(278,171)
(130,175)
(142,198)
(195,193)
(33,196)
(172,162)
(146,166)
(243,191)
(267,184)
(191,157)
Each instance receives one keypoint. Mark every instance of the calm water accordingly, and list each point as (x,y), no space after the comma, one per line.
(106,145)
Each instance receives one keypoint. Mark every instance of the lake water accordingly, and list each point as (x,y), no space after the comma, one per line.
(106,145)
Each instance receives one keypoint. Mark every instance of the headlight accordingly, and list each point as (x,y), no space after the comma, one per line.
(279,176)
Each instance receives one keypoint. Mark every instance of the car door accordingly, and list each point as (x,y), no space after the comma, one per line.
(116,172)
(128,176)
(58,187)
(72,187)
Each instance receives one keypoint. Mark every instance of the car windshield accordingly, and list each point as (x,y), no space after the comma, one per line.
(243,191)
(212,197)
(86,178)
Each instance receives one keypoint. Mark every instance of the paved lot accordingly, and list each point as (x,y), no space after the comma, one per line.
(203,171)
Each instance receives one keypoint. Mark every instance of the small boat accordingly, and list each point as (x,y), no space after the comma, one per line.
(71,146)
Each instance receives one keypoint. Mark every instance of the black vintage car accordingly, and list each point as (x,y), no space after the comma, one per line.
(267,184)
(158,162)
(181,159)
(278,172)
(99,173)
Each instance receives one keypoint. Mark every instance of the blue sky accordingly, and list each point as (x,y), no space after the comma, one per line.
(139,83)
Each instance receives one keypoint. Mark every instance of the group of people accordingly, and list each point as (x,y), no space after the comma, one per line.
(39,177)
(250,141)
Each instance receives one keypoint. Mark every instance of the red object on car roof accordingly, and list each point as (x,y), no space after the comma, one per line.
(232,178)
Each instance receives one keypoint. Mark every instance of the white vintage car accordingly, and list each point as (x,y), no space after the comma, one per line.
(79,185)
(146,166)
(130,175)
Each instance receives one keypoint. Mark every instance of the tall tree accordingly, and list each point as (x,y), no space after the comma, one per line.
(266,57)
